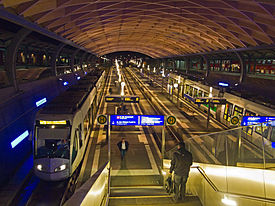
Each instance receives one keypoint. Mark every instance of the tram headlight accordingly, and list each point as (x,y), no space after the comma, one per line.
(39,167)
(60,168)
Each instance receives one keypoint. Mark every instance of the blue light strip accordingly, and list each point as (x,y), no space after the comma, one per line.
(223,84)
(273,144)
(41,101)
(65,83)
(19,139)
(78,78)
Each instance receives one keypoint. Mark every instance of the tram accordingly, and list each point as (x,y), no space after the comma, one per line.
(63,126)
(235,107)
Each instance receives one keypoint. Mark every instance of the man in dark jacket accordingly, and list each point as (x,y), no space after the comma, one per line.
(180,164)
(123,146)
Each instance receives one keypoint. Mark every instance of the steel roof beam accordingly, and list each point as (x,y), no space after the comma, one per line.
(262,47)
(4,14)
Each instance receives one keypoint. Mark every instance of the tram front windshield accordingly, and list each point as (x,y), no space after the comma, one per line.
(52,142)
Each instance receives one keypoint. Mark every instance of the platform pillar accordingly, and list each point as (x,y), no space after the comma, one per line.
(81,60)
(243,69)
(162,144)
(10,66)
(72,59)
(109,139)
(187,65)
(54,56)
(207,66)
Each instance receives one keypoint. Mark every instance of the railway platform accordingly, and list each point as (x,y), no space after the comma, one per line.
(220,157)
(138,179)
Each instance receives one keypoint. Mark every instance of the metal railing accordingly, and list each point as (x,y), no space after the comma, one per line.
(241,167)
(250,146)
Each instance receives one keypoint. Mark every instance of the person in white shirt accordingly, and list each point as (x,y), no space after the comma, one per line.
(123,146)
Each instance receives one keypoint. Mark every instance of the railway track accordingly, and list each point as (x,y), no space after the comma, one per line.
(176,135)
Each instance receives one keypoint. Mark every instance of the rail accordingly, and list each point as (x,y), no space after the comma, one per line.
(201,152)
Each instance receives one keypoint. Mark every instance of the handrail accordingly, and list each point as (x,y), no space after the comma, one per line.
(109,187)
(209,181)
(214,187)
(80,195)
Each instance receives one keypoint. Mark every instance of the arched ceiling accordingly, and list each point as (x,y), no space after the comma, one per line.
(158,28)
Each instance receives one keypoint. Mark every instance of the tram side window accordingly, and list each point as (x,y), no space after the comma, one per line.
(262,130)
(200,93)
(186,91)
(227,111)
(94,110)
(195,92)
(206,94)
(238,111)
(249,129)
(272,136)
(79,135)
(190,91)
(75,146)
(90,114)
(86,124)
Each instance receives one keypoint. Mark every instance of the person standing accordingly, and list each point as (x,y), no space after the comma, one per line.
(123,146)
(180,164)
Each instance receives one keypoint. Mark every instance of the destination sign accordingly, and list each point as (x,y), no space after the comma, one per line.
(152,120)
(202,100)
(137,120)
(131,99)
(113,98)
(125,120)
(252,120)
(118,99)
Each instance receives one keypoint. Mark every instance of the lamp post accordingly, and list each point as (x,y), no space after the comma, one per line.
(122,88)
(119,77)
(172,87)
(148,68)
(178,91)
(176,85)
(162,77)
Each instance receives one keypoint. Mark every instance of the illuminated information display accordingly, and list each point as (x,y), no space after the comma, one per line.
(206,100)
(118,98)
(137,120)
(113,99)
(252,120)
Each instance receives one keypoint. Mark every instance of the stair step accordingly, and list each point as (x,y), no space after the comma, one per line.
(135,180)
(149,191)
(153,201)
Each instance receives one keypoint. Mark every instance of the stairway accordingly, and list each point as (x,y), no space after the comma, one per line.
(125,193)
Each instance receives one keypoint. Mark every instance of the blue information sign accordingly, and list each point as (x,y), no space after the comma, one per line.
(252,120)
(137,120)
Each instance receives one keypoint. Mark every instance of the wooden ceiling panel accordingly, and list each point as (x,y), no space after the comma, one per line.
(157,28)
